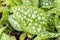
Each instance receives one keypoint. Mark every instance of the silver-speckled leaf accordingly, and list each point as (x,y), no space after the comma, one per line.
(46,3)
(7,37)
(46,35)
(31,19)
(14,23)
(51,21)
(56,11)
(27,2)
(31,3)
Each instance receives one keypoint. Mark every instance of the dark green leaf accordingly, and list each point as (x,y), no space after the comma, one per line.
(46,3)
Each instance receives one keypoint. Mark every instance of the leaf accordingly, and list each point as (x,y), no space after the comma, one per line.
(57,2)
(30,3)
(5,14)
(46,35)
(57,23)
(29,35)
(13,38)
(2,29)
(7,37)
(51,21)
(46,3)
(22,37)
(8,29)
(15,3)
(27,3)
(30,18)
(14,23)
(56,11)
(35,2)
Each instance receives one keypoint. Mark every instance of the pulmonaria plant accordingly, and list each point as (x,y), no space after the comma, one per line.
(33,17)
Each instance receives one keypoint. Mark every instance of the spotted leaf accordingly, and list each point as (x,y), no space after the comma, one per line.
(46,3)
(15,3)
(14,23)
(31,3)
(56,11)
(30,18)
(46,35)
(7,37)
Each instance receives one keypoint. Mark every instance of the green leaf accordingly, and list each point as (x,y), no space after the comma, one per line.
(30,18)
(5,14)
(57,22)
(56,11)
(27,2)
(51,21)
(30,36)
(2,29)
(7,37)
(30,3)
(46,35)
(22,37)
(8,29)
(13,37)
(15,3)
(46,4)
(57,2)
(35,3)
(14,23)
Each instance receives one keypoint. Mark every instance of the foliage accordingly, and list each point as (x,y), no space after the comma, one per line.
(33,17)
